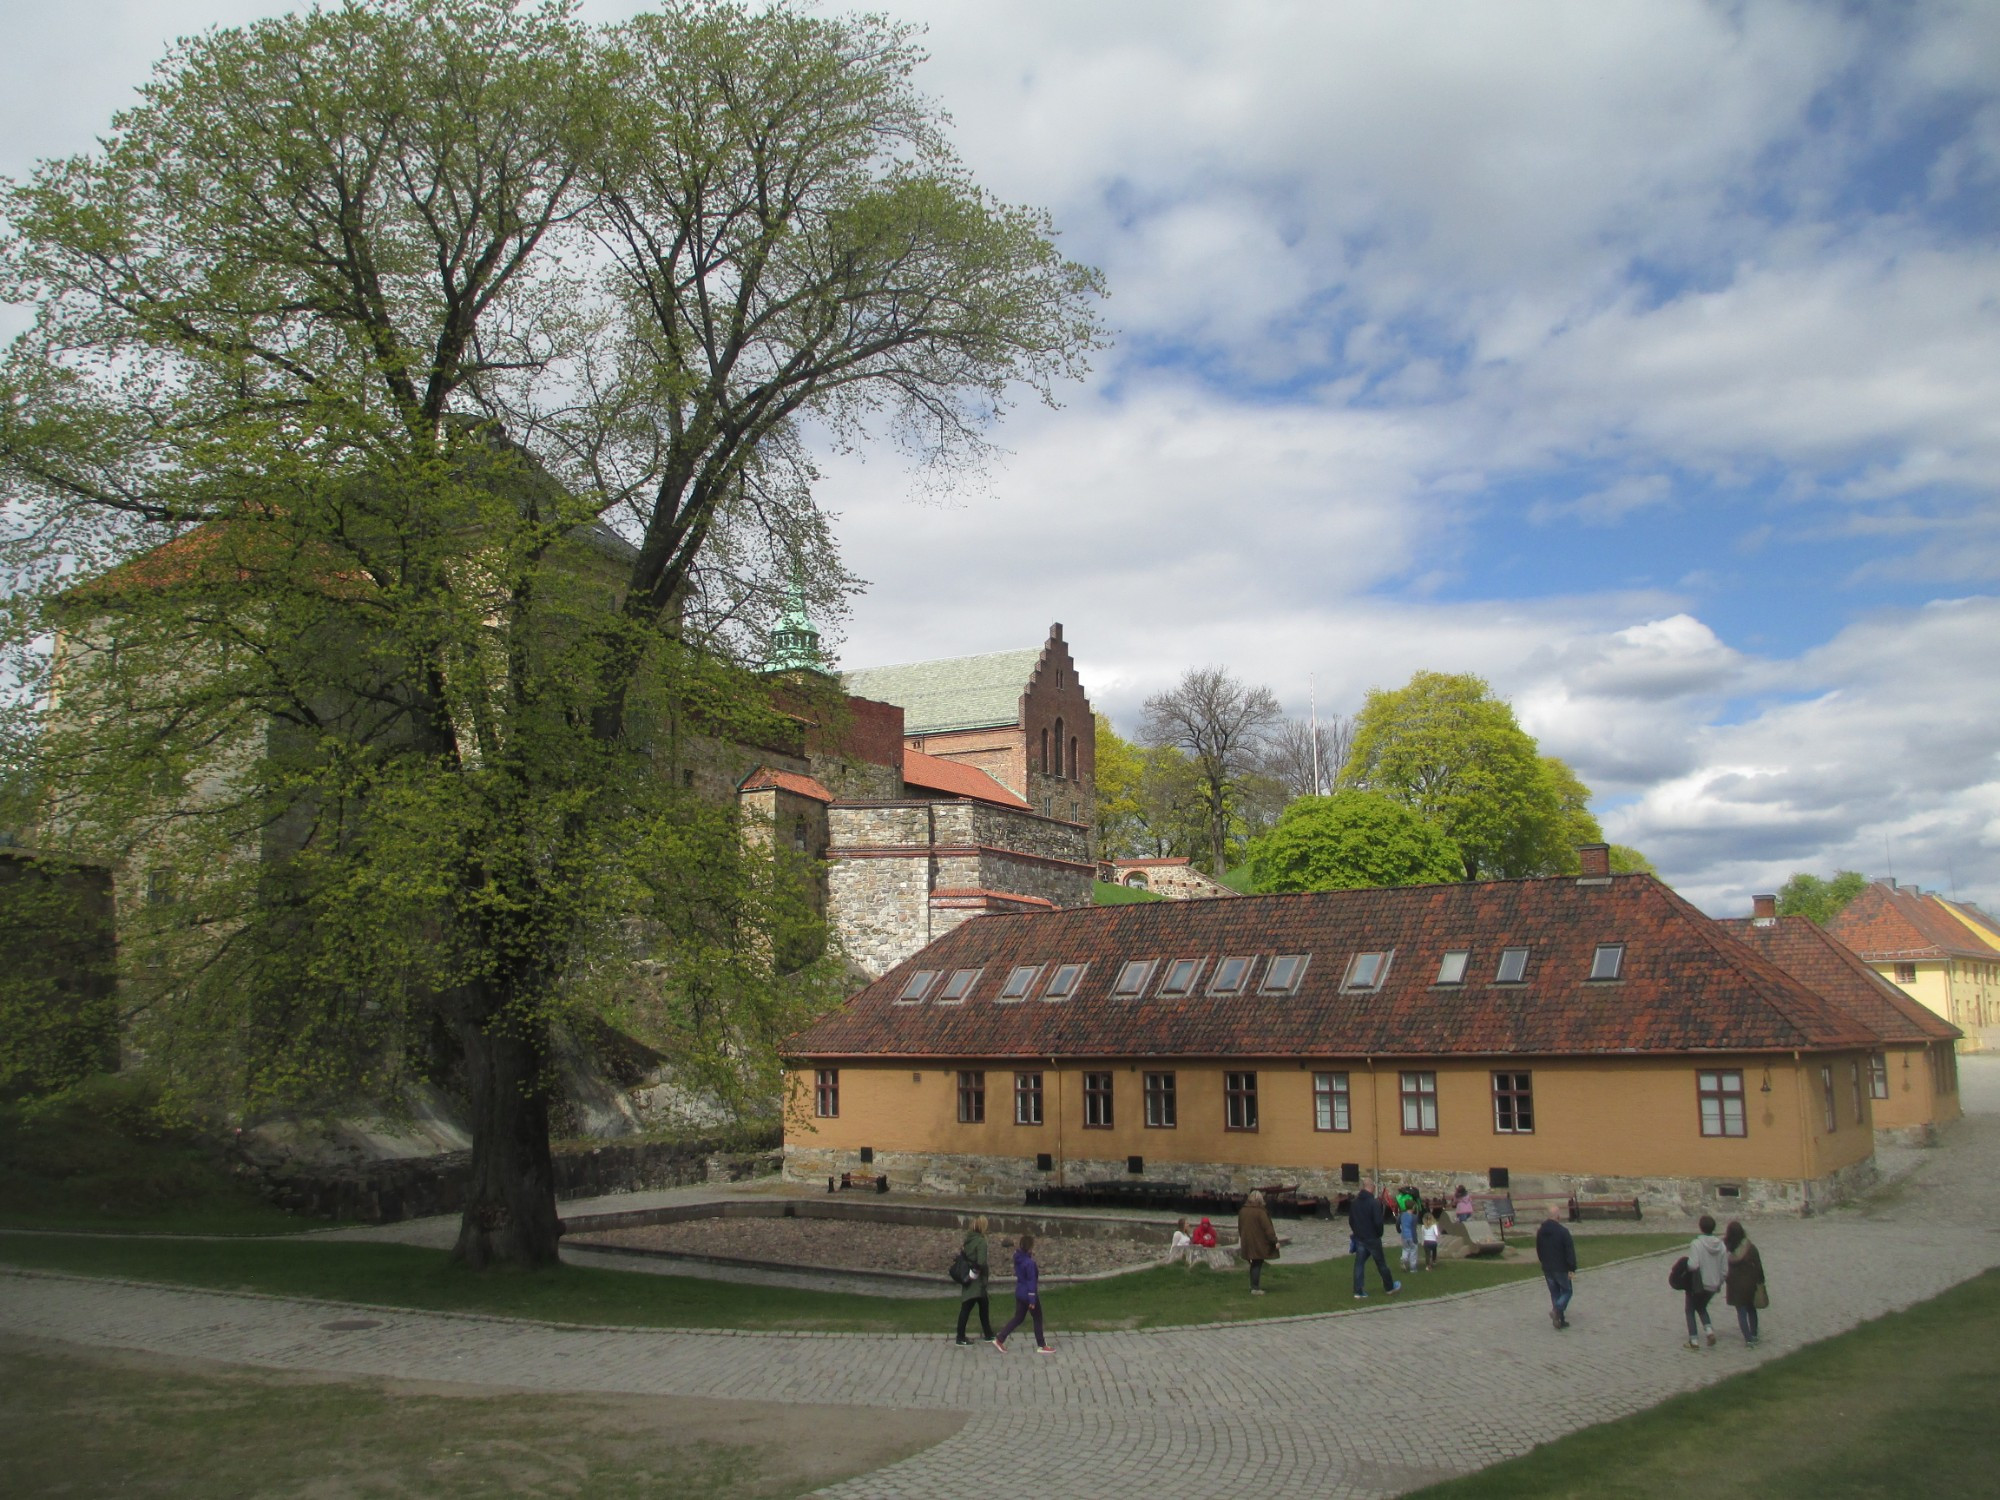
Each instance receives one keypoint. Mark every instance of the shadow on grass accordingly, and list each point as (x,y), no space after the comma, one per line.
(392,1275)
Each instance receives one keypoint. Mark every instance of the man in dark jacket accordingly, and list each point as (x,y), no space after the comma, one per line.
(1365,1219)
(1557,1252)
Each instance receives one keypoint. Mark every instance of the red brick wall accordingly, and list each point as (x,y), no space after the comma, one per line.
(1055,696)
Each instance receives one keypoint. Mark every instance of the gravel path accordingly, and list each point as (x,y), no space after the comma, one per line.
(866,1247)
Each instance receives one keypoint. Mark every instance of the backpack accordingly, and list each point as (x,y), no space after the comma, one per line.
(961,1269)
(1681,1277)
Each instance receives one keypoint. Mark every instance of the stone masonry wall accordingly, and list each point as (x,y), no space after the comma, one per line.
(956,1174)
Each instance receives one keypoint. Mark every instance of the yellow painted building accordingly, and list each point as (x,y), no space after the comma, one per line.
(1935,951)
(1593,1035)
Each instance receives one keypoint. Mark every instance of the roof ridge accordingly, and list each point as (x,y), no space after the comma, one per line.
(1790,992)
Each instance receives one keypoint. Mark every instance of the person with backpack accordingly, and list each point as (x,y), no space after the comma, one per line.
(1706,1264)
(1743,1282)
(972,1260)
(1556,1250)
(1027,1297)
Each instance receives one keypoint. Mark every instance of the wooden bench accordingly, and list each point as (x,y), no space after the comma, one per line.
(1606,1208)
(872,1182)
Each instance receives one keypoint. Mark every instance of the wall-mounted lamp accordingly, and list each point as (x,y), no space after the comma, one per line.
(1765,1088)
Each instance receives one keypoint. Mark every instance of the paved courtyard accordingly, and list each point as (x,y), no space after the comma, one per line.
(1363,1404)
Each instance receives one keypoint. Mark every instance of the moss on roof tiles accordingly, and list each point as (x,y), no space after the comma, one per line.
(959,692)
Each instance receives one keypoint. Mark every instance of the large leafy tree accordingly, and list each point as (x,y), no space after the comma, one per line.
(1223,726)
(1347,841)
(1449,750)
(1817,897)
(413,419)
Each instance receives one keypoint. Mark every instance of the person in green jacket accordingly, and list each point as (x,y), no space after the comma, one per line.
(975,1288)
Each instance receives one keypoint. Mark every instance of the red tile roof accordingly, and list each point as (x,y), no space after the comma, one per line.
(935,774)
(765,779)
(1687,987)
(1835,973)
(1886,922)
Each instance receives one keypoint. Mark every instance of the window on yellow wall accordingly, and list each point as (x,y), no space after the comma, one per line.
(1162,1106)
(1720,1094)
(1027,1098)
(1420,1103)
(1906,973)
(1239,1095)
(971,1098)
(1330,1102)
(1097,1101)
(1860,1109)
(1514,1103)
(1878,1075)
(826,1093)
(1826,1098)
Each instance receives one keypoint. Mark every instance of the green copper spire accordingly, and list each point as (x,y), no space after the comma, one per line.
(795,639)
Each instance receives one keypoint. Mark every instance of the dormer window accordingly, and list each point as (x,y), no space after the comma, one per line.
(1181,975)
(1067,981)
(1608,962)
(1230,976)
(1451,968)
(1284,974)
(1132,978)
(1020,981)
(1366,971)
(1513,966)
(958,986)
(918,987)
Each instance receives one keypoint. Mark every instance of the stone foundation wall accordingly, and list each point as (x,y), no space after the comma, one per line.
(945,1174)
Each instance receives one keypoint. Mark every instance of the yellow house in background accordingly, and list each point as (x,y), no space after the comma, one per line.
(1934,950)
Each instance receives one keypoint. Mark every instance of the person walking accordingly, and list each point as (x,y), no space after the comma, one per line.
(1406,1228)
(1433,1231)
(1365,1219)
(976,1285)
(1256,1239)
(1707,1267)
(1743,1282)
(1027,1297)
(1556,1250)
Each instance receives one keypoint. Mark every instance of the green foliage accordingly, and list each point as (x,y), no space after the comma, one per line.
(58,1001)
(1625,860)
(1350,840)
(1822,900)
(1223,728)
(1106,893)
(1448,750)
(105,1155)
(420,390)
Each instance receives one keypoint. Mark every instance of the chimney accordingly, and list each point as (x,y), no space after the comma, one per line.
(1763,911)
(1595,860)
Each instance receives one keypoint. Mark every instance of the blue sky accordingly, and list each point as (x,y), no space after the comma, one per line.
(1641,358)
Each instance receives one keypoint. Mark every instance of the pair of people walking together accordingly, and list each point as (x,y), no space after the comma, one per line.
(1729,1264)
(1027,1291)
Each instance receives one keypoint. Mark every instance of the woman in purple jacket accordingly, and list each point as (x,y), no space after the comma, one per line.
(1027,1297)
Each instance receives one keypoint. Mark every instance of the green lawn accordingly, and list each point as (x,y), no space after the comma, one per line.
(1107,893)
(404,1276)
(1904,1405)
(75,1423)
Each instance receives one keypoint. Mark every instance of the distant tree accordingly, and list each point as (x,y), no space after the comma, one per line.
(1224,726)
(1173,821)
(1625,860)
(1807,895)
(1549,845)
(1350,840)
(1119,766)
(1452,753)
(1292,759)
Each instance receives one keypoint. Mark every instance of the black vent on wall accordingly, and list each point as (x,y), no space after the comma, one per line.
(1496,1177)
(1135,1164)
(1044,1162)
(1350,1171)
(867,1155)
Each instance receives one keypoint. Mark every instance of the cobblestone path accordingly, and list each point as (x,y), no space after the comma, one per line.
(1363,1404)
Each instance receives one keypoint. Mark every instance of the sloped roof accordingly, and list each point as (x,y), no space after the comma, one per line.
(765,779)
(1887,922)
(1983,927)
(959,692)
(935,774)
(1687,987)
(1835,973)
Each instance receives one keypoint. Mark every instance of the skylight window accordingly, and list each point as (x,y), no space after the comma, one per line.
(1513,966)
(1181,975)
(1020,981)
(1366,971)
(1132,979)
(1067,981)
(918,987)
(1451,968)
(1284,974)
(958,986)
(1608,962)
(1230,975)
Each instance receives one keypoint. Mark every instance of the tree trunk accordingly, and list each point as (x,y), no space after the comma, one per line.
(510,1204)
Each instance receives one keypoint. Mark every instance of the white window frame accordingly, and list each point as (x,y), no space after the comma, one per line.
(1191,968)
(1218,986)
(971,983)
(1057,990)
(1020,982)
(1144,967)
(1517,960)
(1333,1102)
(1273,986)
(921,983)
(1453,973)
(1617,964)
(1378,973)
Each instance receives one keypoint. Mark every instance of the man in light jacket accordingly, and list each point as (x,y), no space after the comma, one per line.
(1556,1250)
(1708,1267)
(1365,1219)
